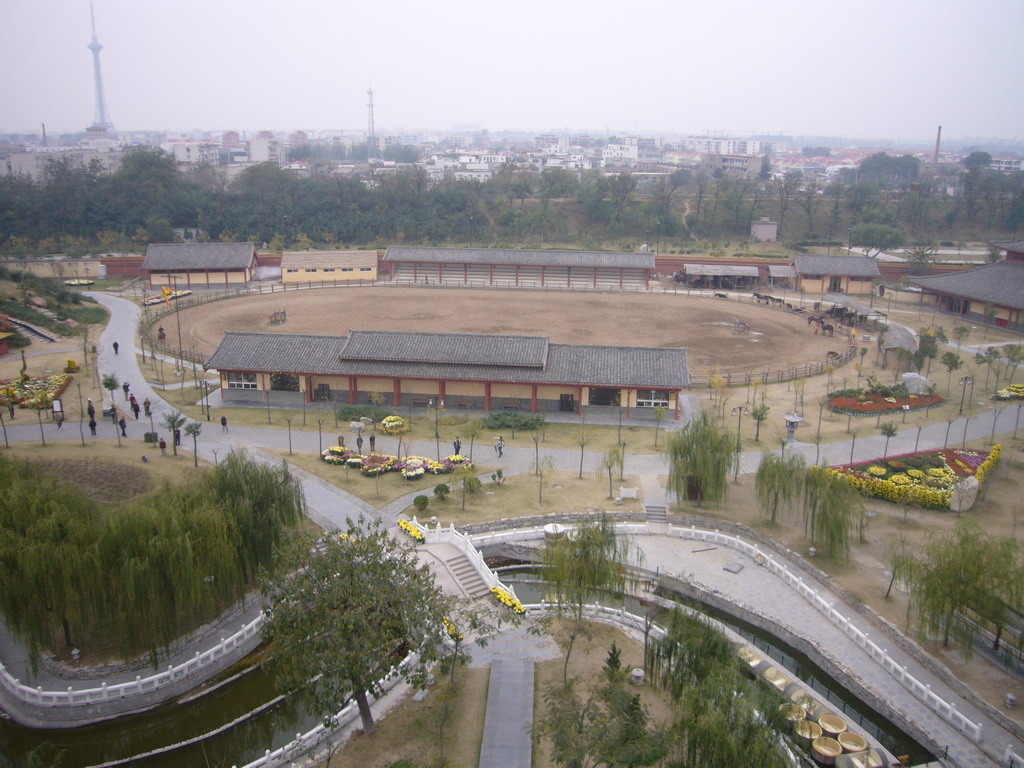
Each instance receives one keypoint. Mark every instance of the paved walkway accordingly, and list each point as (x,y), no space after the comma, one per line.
(332,507)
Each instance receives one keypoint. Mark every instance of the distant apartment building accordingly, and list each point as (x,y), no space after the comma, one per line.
(265,149)
(34,164)
(1005,164)
(230,139)
(734,165)
(709,145)
(188,152)
(618,154)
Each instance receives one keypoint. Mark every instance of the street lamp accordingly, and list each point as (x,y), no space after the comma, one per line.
(739,412)
(964,381)
(177,316)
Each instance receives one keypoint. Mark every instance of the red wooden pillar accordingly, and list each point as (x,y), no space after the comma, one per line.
(517,274)
(440,267)
(353,390)
(679,393)
(579,397)
(415,272)
(568,277)
(309,389)
(542,274)
(440,391)
(622,277)
(487,395)
(627,402)
(595,278)
(396,384)
(490,274)
(533,398)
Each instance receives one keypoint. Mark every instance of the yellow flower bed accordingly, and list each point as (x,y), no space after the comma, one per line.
(414,533)
(452,630)
(506,599)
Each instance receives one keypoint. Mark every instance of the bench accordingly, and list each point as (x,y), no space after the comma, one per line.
(510,405)
(626,493)
(420,402)
(463,402)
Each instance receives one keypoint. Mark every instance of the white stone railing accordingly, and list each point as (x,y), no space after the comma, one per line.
(464,543)
(946,710)
(139,686)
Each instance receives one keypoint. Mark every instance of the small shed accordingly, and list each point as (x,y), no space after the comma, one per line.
(764,230)
(818,273)
(730,276)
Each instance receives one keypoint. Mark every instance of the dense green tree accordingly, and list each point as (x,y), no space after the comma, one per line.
(977,160)
(876,237)
(341,618)
(960,572)
(779,482)
(700,457)
(580,566)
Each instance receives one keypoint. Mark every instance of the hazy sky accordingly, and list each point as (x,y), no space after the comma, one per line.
(880,68)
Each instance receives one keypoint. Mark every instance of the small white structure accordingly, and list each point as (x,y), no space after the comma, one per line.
(764,230)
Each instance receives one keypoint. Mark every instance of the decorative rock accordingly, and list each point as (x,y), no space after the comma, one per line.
(38,301)
(964,494)
(916,384)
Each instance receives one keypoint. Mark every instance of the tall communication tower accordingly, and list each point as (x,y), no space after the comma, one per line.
(101,127)
(371,134)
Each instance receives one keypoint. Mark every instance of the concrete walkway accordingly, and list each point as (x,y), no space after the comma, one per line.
(751,588)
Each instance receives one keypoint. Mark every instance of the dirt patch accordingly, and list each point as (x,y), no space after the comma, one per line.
(99,480)
(777,338)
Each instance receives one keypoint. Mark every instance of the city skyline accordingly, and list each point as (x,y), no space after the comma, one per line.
(870,69)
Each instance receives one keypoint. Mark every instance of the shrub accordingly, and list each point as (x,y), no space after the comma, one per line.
(394,425)
(512,420)
(497,477)
(356,412)
(421,503)
(473,484)
(441,491)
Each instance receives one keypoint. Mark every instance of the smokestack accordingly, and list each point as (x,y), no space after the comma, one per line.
(938,141)
(44,134)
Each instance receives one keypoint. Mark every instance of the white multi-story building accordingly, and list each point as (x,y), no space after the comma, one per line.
(188,152)
(1005,164)
(709,145)
(34,164)
(263,149)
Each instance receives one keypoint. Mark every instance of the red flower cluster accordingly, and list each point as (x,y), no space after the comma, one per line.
(871,404)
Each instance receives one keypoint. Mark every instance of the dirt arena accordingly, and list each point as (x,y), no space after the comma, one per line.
(777,338)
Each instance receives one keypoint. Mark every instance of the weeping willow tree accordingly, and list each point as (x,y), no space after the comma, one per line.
(831,507)
(962,572)
(587,561)
(723,719)
(138,574)
(779,482)
(700,458)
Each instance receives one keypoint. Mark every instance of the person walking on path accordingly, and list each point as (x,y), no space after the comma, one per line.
(147,406)
(163,447)
(457,445)
(60,420)
(373,443)
(359,444)
(125,387)
(224,423)
(113,414)
(91,410)
(123,424)
(115,347)
(500,446)
(135,409)
(177,437)
(92,425)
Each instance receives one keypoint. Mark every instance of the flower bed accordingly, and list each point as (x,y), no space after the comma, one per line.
(411,467)
(507,600)
(860,402)
(159,298)
(924,479)
(414,533)
(35,393)
(1012,392)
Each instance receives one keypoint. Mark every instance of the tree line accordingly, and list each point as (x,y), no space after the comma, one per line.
(78,209)
(137,575)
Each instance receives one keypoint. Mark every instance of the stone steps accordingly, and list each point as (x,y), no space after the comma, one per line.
(466,576)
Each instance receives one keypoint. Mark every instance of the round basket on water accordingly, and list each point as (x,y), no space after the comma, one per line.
(825,750)
(852,742)
(807,731)
(832,725)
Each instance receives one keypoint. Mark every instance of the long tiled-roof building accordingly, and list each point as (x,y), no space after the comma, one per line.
(992,293)
(472,371)
(818,273)
(518,268)
(199,265)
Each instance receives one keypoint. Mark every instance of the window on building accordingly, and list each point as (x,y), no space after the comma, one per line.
(328,269)
(366,269)
(292,270)
(651,398)
(241,380)
(346,269)
(311,269)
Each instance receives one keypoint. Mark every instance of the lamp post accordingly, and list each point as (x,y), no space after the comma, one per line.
(177,317)
(964,381)
(849,240)
(739,412)
(206,394)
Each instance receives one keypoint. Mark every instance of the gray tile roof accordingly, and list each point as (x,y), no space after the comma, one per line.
(1001,283)
(817,264)
(1017,246)
(199,256)
(729,270)
(777,270)
(512,257)
(642,367)
(463,348)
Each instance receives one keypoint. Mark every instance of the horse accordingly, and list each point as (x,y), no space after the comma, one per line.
(828,328)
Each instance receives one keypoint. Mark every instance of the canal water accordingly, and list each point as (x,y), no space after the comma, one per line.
(279,719)
(529,589)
